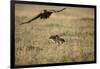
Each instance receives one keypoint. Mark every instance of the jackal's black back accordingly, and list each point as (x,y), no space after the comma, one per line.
(54,37)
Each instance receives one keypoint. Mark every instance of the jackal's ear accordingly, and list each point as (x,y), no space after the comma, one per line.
(57,36)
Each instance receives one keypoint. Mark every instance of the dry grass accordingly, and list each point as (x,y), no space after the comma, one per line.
(32,44)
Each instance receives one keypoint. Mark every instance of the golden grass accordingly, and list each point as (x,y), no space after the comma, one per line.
(32,44)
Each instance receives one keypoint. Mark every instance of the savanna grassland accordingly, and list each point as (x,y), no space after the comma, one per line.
(32,43)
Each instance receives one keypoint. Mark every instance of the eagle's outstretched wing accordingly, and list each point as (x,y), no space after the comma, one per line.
(43,14)
(57,10)
(32,19)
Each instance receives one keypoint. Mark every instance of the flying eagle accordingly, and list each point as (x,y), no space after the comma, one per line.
(46,14)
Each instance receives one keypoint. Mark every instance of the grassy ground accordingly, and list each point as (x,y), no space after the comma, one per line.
(32,43)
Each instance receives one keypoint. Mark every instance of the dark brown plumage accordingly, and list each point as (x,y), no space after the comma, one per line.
(46,14)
